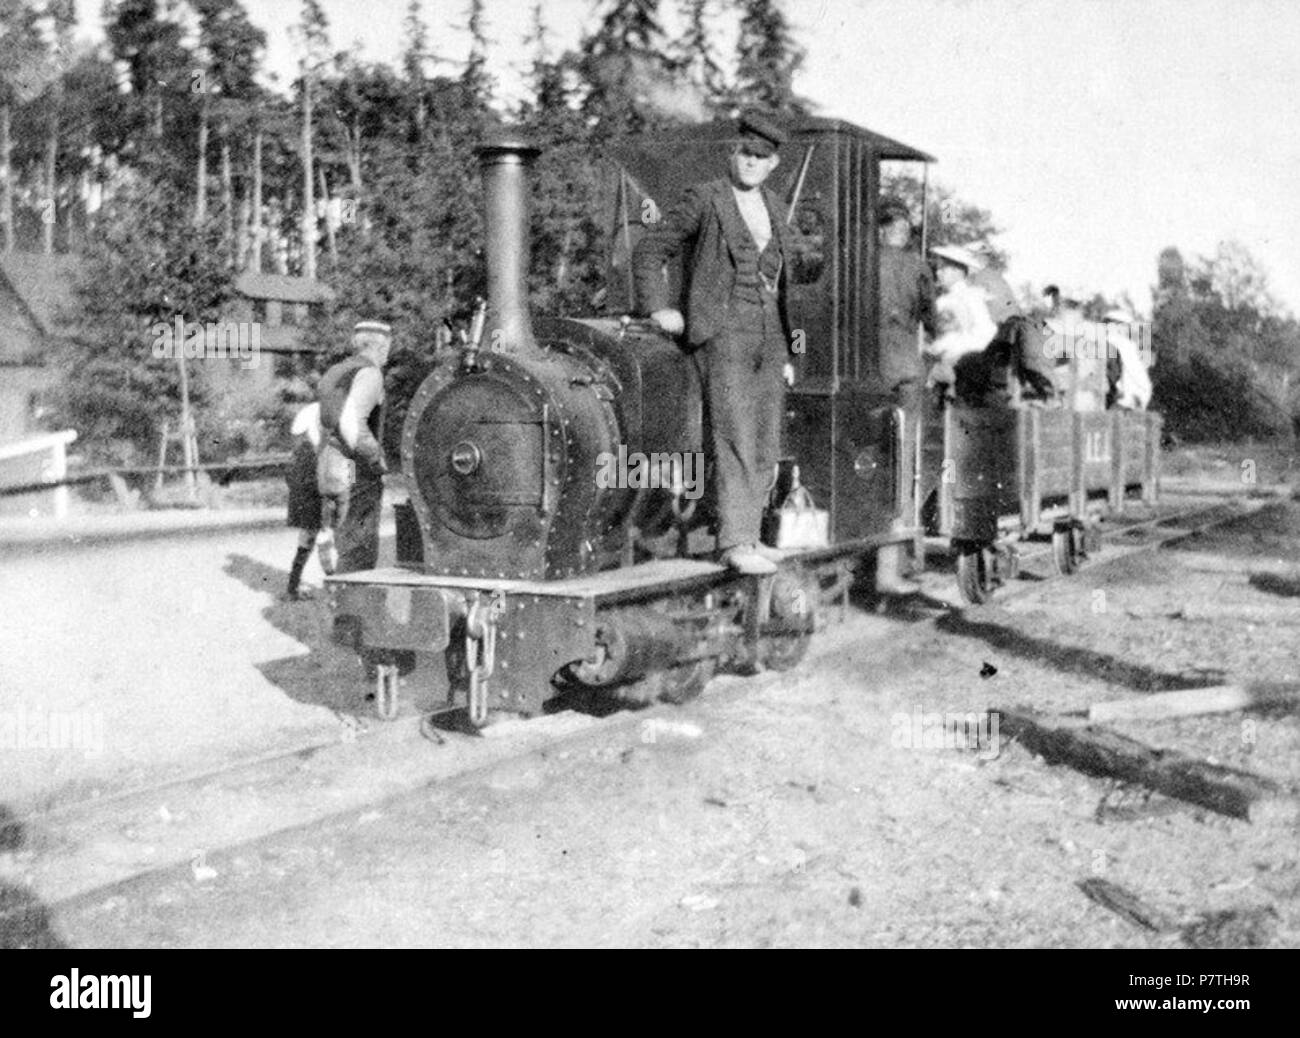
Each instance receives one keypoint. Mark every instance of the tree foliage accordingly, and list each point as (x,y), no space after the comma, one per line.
(949,220)
(396,185)
(1225,351)
(768,56)
(140,273)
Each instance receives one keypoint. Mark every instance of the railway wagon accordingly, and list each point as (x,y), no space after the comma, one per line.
(998,476)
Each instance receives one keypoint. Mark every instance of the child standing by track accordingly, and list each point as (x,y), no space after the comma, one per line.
(304,498)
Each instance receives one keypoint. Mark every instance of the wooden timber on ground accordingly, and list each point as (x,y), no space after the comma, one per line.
(1214,612)
(1126,904)
(1253,614)
(1207,562)
(1189,702)
(1107,754)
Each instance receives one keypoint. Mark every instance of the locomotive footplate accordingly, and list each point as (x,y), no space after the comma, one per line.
(504,639)
(509,645)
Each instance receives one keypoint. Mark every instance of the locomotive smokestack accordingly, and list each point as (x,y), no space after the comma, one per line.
(504,163)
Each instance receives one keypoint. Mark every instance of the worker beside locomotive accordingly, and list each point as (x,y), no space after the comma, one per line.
(907,309)
(351,464)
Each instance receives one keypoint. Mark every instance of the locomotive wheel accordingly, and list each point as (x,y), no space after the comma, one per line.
(1066,548)
(795,605)
(975,573)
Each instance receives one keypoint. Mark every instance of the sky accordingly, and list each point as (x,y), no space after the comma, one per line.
(1097,132)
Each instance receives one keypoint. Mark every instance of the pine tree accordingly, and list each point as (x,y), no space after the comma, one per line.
(232,47)
(477,84)
(695,55)
(767,58)
(158,71)
(313,30)
(617,62)
(415,60)
(549,113)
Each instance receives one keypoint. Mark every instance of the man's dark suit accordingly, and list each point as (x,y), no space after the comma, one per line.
(740,331)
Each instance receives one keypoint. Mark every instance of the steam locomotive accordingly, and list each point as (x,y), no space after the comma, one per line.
(526,576)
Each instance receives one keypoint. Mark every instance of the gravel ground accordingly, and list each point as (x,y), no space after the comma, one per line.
(788,810)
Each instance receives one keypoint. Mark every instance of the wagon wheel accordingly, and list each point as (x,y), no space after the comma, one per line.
(1067,548)
(976,570)
(684,683)
(794,607)
(676,685)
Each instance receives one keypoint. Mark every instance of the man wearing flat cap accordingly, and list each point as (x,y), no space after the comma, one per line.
(351,466)
(906,310)
(733,234)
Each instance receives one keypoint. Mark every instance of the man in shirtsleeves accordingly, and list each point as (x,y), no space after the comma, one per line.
(351,468)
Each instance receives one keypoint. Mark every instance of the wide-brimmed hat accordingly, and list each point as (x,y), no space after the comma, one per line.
(957,256)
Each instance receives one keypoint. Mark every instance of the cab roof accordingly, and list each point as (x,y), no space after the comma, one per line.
(886,148)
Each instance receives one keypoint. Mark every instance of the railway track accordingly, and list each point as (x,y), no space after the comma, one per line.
(1182,517)
(1191,516)
(90,847)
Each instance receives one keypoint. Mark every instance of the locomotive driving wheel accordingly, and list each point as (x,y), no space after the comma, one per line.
(976,573)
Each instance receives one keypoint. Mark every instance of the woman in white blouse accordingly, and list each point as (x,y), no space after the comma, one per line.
(961,312)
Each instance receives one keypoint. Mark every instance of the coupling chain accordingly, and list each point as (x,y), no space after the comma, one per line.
(480,651)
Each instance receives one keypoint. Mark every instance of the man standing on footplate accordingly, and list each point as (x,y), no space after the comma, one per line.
(734,236)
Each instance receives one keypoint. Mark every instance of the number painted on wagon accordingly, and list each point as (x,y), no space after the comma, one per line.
(1096,446)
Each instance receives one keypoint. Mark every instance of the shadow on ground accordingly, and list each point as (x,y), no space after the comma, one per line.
(1275,584)
(24,920)
(326,676)
(1272,531)
(1077,661)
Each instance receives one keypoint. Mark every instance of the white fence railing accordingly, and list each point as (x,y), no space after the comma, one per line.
(38,459)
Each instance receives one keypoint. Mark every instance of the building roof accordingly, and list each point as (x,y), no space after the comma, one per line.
(45,285)
(284,287)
